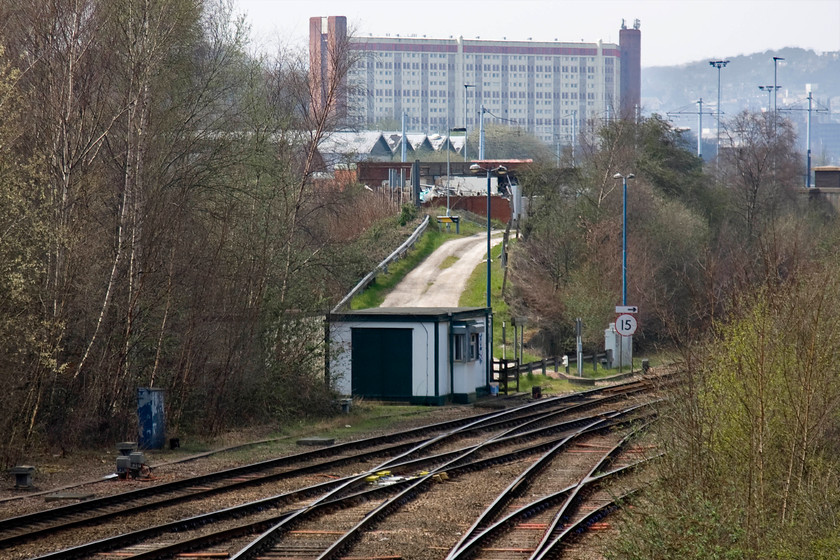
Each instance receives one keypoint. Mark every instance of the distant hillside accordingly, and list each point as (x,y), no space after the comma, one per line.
(669,88)
(677,88)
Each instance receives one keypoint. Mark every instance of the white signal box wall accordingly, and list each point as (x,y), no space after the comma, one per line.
(620,346)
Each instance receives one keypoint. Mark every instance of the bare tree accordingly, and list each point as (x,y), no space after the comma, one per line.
(760,166)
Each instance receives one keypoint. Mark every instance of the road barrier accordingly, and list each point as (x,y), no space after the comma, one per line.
(383,266)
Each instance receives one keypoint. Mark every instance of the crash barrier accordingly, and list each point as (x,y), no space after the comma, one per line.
(383,266)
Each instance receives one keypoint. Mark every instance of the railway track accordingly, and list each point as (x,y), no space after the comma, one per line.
(414,460)
(538,513)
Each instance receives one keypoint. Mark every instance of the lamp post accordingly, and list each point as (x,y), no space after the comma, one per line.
(624,236)
(776,60)
(770,91)
(808,134)
(499,171)
(481,133)
(466,87)
(718,64)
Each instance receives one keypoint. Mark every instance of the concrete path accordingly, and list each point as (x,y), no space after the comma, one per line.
(441,278)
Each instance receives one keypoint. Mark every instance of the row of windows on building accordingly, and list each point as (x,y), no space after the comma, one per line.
(564,124)
(382,94)
(470,56)
(389,108)
(530,69)
(386,78)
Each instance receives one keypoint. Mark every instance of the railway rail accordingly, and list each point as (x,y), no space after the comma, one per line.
(415,461)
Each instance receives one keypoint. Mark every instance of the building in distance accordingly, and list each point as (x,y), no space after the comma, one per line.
(552,89)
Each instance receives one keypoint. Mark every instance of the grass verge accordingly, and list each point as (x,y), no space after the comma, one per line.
(374,295)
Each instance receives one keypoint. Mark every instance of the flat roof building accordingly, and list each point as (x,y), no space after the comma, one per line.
(552,89)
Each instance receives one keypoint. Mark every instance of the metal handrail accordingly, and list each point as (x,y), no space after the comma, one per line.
(363,283)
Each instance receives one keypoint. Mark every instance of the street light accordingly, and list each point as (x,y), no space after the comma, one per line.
(481,134)
(770,91)
(776,60)
(466,87)
(500,171)
(624,237)
(718,64)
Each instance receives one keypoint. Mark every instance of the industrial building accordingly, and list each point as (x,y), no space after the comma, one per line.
(551,89)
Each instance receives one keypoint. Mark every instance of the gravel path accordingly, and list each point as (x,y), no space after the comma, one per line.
(440,280)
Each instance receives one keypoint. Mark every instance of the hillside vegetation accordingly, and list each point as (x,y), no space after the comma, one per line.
(735,271)
(162,225)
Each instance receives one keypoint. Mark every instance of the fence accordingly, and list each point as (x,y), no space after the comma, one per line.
(556,362)
(506,372)
(383,266)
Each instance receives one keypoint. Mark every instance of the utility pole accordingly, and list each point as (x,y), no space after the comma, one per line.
(699,114)
(808,134)
(776,60)
(718,64)
(810,110)
(466,87)
(481,134)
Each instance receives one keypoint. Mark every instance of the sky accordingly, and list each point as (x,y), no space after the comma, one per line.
(673,31)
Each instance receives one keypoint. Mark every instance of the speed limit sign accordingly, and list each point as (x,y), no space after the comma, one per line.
(625,324)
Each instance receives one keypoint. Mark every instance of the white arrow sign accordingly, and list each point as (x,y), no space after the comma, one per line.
(625,325)
(626,309)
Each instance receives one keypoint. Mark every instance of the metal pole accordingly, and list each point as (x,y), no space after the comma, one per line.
(624,247)
(488,236)
(776,60)
(808,134)
(718,64)
(718,115)
(404,147)
(624,234)
(466,87)
(489,337)
(481,138)
(448,149)
(718,109)
(403,157)
(769,90)
(700,129)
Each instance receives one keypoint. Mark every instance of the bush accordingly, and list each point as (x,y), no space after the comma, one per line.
(407,213)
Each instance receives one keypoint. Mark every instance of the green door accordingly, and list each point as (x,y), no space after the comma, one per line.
(381,363)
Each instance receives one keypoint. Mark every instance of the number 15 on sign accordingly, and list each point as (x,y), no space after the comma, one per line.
(625,324)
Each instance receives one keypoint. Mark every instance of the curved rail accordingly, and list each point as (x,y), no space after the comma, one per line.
(490,526)
(329,493)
